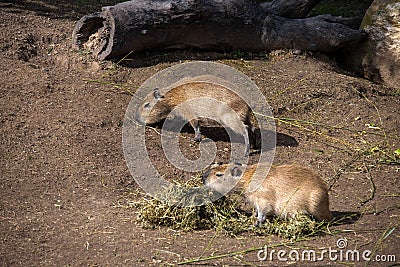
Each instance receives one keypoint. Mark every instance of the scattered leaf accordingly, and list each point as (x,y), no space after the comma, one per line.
(375,149)
(388,233)
(372,126)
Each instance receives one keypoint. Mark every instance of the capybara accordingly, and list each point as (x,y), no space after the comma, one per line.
(226,107)
(286,191)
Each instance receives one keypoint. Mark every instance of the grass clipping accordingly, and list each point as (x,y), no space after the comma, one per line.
(222,214)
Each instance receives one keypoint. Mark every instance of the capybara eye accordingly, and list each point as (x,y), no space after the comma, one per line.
(146,105)
(219,174)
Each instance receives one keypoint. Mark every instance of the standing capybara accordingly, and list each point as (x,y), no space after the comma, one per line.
(286,191)
(199,101)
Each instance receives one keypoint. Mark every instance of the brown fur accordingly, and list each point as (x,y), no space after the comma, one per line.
(193,90)
(286,191)
(154,109)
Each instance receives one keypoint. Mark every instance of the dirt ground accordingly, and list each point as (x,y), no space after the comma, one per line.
(65,189)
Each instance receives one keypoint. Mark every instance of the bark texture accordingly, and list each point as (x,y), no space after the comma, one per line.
(139,25)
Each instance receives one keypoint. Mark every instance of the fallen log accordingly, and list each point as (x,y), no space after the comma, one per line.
(140,25)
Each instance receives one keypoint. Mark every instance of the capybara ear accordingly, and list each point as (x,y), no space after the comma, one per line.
(156,93)
(235,171)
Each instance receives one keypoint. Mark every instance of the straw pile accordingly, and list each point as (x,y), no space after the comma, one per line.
(222,214)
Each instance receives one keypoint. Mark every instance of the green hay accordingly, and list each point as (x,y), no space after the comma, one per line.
(222,214)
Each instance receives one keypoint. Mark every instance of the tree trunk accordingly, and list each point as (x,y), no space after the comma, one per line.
(209,24)
(290,8)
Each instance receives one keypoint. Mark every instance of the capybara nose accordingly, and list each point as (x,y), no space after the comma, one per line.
(204,176)
(139,119)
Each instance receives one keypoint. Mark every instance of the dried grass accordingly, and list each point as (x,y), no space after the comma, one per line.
(222,214)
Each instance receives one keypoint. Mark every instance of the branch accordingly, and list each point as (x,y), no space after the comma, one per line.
(290,8)
(322,33)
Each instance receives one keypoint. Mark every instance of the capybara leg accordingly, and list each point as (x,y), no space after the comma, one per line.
(246,142)
(196,127)
(261,216)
